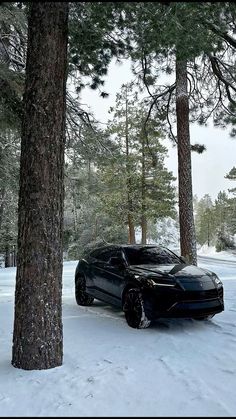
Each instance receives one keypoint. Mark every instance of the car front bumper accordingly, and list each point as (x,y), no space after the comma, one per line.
(172,304)
(195,308)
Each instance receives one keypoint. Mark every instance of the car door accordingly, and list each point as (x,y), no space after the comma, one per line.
(108,279)
(96,264)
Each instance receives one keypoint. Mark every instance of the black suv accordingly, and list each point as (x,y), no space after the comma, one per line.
(147,282)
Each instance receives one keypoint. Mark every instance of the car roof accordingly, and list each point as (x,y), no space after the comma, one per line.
(124,246)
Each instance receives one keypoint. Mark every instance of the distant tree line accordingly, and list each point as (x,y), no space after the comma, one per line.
(216,220)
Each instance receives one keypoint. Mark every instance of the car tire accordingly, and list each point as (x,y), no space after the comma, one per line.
(133,308)
(81,296)
(209,317)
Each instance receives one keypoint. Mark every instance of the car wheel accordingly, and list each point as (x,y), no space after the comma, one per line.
(134,309)
(204,317)
(81,296)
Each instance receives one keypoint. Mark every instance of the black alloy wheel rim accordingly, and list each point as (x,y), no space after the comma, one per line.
(133,308)
(80,286)
(80,291)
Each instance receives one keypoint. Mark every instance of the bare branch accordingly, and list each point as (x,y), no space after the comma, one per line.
(217,71)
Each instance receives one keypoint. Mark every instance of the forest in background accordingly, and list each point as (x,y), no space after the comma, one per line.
(64,181)
(96,195)
(116,182)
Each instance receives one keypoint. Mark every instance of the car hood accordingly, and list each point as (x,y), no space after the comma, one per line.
(186,275)
(178,271)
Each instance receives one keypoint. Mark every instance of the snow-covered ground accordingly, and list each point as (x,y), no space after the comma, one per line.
(209,251)
(177,367)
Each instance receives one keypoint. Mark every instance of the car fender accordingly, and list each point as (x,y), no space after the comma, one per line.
(129,285)
(81,267)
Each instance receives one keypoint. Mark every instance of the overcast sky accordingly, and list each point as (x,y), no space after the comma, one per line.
(208,169)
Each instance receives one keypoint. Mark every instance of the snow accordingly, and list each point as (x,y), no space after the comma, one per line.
(165,232)
(177,367)
(210,251)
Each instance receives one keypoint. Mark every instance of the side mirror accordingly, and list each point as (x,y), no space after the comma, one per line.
(115,261)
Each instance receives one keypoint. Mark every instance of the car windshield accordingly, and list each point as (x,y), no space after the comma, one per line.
(150,256)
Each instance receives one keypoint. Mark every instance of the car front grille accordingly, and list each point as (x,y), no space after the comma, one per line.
(201,295)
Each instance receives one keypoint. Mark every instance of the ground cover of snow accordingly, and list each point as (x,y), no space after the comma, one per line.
(211,252)
(177,367)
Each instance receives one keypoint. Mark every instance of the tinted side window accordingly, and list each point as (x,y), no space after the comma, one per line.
(95,253)
(106,255)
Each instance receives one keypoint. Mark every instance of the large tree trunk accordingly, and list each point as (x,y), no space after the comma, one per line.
(186,220)
(37,338)
(3,184)
(144,229)
(143,197)
(131,229)
(2,197)
(7,256)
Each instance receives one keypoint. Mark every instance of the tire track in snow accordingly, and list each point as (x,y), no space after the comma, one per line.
(197,387)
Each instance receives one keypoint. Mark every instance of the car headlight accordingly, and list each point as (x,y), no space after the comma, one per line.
(217,281)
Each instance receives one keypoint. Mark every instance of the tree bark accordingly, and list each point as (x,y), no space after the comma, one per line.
(3,184)
(7,256)
(131,229)
(144,229)
(2,196)
(38,334)
(14,256)
(143,197)
(186,219)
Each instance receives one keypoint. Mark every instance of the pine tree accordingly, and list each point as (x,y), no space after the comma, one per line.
(13,35)
(138,176)
(37,338)
(222,213)
(205,221)
(198,36)
(232,176)
(9,170)
(186,219)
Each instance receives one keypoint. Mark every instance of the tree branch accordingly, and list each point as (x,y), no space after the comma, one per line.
(218,73)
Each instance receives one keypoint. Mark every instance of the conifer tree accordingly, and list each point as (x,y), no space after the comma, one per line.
(193,38)
(149,187)
(37,337)
(232,176)
(205,221)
